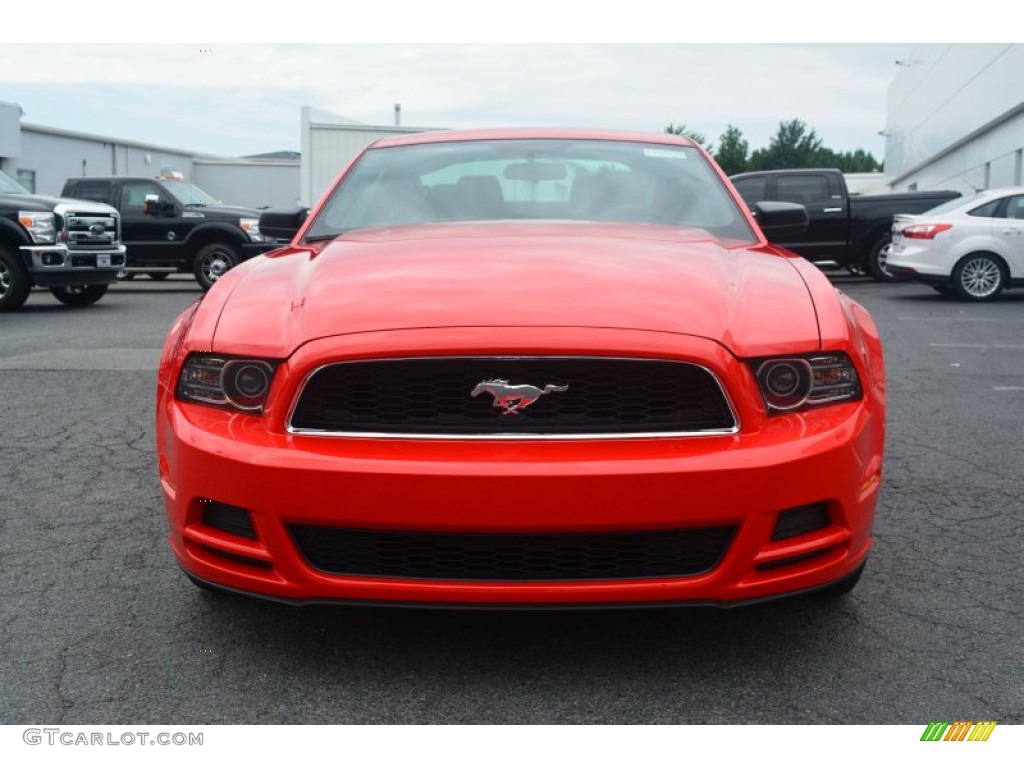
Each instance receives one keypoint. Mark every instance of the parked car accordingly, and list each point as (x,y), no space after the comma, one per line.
(70,247)
(971,248)
(170,225)
(524,367)
(852,230)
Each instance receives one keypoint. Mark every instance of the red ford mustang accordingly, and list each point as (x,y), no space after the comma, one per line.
(524,367)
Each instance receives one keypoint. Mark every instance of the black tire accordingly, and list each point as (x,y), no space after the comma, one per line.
(212,262)
(15,283)
(158,275)
(979,277)
(79,295)
(876,260)
(843,586)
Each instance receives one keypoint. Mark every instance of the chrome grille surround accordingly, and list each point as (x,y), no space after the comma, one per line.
(730,428)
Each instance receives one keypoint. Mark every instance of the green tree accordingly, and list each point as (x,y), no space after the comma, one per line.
(732,152)
(792,146)
(857,161)
(684,130)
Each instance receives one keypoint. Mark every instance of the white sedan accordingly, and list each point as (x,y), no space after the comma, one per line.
(972,248)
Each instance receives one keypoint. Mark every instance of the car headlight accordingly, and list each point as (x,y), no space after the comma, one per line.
(229,382)
(41,226)
(252,228)
(795,383)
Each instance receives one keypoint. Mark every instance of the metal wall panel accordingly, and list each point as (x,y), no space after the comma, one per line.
(10,130)
(329,143)
(248,183)
(951,110)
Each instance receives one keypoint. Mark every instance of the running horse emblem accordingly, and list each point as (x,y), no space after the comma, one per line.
(514,397)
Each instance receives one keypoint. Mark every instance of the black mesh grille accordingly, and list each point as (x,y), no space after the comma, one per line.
(434,396)
(801,520)
(230,519)
(512,557)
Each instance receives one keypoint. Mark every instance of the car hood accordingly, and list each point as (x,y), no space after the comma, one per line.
(46,203)
(638,277)
(223,211)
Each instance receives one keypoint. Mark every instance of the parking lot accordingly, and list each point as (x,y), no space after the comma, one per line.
(99,625)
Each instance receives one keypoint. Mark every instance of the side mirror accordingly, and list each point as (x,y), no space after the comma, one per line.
(282,223)
(156,207)
(781,220)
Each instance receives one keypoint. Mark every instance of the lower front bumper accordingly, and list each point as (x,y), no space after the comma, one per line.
(56,265)
(831,455)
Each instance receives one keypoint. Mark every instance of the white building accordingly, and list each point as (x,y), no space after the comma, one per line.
(956,118)
(42,158)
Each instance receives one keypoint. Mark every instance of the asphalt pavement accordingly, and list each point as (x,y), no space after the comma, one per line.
(98,625)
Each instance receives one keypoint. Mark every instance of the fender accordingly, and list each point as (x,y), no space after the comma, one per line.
(219,230)
(12,233)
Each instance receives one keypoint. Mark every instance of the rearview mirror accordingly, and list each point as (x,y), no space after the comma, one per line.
(780,220)
(282,223)
(154,206)
(533,171)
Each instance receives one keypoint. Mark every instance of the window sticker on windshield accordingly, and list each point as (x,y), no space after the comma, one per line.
(678,154)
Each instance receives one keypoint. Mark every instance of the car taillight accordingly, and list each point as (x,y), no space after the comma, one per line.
(924,231)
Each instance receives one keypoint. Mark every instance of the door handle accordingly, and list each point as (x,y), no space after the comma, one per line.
(832,210)
(1011,231)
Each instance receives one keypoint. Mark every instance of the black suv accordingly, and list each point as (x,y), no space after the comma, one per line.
(170,225)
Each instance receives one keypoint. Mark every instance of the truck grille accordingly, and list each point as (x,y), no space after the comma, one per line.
(513,557)
(90,231)
(586,397)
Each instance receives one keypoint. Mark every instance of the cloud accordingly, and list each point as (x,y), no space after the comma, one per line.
(234,95)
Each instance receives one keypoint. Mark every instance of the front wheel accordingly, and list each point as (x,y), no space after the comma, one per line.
(877,261)
(979,277)
(212,262)
(79,295)
(15,283)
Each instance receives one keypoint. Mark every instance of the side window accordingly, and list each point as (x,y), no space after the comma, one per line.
(1015,207)
(987,211)
(97,191)
(133,195)
(802,188)
(752,190)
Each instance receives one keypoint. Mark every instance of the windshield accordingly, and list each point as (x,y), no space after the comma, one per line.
(532,179)
(9,186)
(188,194)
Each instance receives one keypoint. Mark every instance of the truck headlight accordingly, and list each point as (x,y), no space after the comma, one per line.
(41,226)
(229,382)
(252,228)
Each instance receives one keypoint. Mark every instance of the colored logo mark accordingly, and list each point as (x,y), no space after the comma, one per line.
(960,730)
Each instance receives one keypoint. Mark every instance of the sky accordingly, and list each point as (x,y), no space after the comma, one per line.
(236,99)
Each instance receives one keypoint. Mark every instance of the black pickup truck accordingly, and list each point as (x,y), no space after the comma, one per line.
(170,225)
(852,230)
(71,247)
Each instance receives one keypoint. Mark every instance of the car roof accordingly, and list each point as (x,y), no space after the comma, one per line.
(492,134)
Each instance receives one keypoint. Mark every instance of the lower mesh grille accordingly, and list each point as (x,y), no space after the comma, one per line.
(513,557)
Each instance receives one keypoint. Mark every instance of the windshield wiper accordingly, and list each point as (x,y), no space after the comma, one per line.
(321,238)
